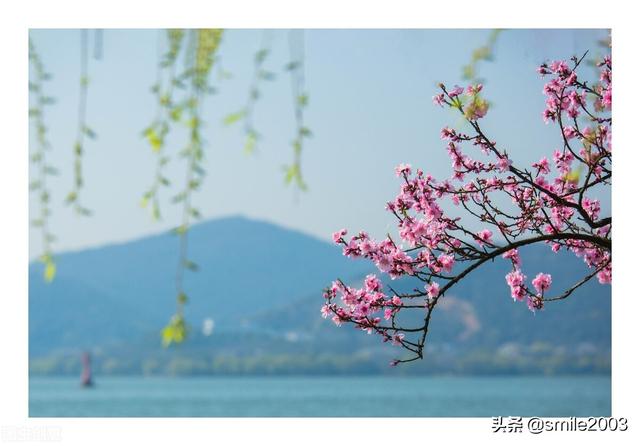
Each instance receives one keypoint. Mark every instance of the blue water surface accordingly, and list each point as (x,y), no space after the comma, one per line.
(353,396)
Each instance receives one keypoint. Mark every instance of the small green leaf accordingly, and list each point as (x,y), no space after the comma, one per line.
(293,174)
(297,146)
(292,66)
(90,133)
(155,211)
(182,229)
(572,177)
(290,173)
(303,100)
(192,266)
(175,331)
(154,140)
(250,143)
(49,271)
(145,201)
(233,117)
(304,131)
(176,113)
(261,55)
(193,123)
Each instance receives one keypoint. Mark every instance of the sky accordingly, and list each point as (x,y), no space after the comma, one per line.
(370,109)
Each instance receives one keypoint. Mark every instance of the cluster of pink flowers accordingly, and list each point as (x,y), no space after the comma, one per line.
(365,307)
(542,282)
(473,106)
(484,237)
(385,254)
(549,205)
(515,280)
(359,304)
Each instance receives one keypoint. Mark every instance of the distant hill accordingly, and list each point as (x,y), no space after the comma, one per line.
(125,291)
(262,286)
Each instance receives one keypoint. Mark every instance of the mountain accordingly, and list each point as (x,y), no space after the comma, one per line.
(262,286)
(125,291)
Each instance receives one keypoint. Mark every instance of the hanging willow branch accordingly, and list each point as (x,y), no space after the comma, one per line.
(260,74)
(39,160)
(167,112)
(293,171)
(83,129)
(200,57)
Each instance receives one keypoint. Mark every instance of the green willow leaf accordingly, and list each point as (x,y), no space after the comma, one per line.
(232,118)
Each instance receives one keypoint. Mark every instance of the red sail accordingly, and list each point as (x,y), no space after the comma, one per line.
(85,378)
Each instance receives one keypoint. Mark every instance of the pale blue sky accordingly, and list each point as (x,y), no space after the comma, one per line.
(370,109)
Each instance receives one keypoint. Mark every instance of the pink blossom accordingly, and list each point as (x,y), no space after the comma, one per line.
(338,235)
(447,261)
(515,280)
(570,132)
(606,98)
(513,255)
(604,276)
(403,169)
(397,339)
(504,163)
(439,99)
(447,133)
(543,70)
(433,289)
(457,91)
(484,237)
(372,283)
(474,89)
(542,282)
(535,303)
(542,165)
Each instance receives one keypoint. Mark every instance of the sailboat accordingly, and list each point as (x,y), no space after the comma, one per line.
(85,378)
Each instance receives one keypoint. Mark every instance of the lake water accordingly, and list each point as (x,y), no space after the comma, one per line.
(322,396)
